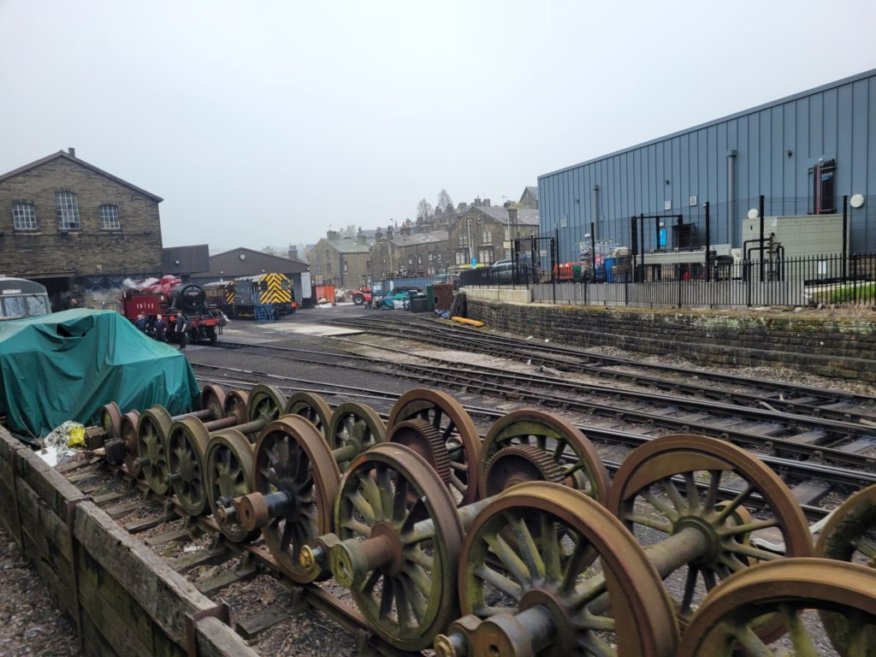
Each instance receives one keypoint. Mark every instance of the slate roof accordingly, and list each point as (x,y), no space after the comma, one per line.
(72,158)
(500,214)
(348,245)
(428,237)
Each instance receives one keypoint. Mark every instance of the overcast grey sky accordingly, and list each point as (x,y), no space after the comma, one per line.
(265,122)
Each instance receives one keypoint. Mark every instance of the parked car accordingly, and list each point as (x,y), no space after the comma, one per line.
(398,298)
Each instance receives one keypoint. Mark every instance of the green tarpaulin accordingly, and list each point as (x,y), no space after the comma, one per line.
(66,365)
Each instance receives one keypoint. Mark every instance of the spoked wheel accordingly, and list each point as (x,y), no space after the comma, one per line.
(425,440)
(311,407)
(153,427)
(128,434)
(293,459)
(229,474)
(236,405)
(698,504)
(353,428)
(537,570)
(110,419)
(783,592)
(456,430)
(564,445)
(266,403)
(186,445)
(401,542)
(213,398)
(850,534)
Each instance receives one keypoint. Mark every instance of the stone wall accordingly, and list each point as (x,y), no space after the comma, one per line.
(809,341)
(133,249)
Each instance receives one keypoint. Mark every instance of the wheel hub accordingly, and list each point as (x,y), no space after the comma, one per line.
(711,540)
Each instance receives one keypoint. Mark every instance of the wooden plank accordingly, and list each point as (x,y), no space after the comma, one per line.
(102,500)
(164,595)
(253,625)
(121,510)
(168,537)
(93,642)
(51,487)
(216,639)
(148,523)
(210,585)
(200,558)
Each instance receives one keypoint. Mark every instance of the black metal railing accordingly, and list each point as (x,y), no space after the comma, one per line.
(689,279)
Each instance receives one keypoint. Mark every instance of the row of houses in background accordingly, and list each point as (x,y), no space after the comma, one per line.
(477,233)
(82,231)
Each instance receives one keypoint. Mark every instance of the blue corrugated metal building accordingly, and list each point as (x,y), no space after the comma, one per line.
(804,153)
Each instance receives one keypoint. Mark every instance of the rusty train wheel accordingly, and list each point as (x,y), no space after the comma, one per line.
(354,428)
(528,569)
(237,405)
(110,419)
(153,428)
(128,434)
(311,407)
(850,534)
(673,487)
(425,440)
(391,493)
(567,446)
(266,402)
(457,430)
(783,592)
(213,398)
(292,457)
(186,445)
(229,474)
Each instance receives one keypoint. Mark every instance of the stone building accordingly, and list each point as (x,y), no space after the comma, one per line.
(344,262)
(484,232)
(407,252)
(529,199)
(76,228)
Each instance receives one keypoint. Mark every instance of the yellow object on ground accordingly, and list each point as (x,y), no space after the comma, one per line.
(466,320)
(76,436)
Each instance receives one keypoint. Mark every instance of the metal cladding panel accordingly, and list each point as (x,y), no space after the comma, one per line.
(776,146)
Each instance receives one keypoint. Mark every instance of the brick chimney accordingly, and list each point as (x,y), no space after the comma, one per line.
(71,151)
(333,235)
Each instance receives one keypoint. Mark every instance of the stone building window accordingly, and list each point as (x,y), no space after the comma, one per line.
(461,256)
(68,210)
(487,236)
(485,256)
(109,217)
(24,216)
(463,239)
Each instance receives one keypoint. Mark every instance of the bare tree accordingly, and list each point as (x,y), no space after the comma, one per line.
(424,210)
(444,203)
(270,250)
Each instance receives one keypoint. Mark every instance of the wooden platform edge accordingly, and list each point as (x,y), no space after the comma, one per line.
(121,598)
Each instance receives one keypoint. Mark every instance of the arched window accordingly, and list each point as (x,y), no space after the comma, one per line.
(68,210)
(109,217)
(24,216)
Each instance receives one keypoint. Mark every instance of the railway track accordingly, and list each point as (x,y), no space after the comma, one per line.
(727,388)
(698,509)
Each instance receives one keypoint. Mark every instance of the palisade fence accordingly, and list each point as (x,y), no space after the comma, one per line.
(800,281)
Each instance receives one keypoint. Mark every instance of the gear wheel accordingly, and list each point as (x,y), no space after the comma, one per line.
(517,464)
(426,441)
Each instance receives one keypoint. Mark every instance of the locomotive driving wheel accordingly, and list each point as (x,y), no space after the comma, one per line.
(535,566)
(110,419)
(456,430)
(850,534)
(236,405)
(266,402)
(311,407)
(229,474)
(568,448)
(705,501)
(213,398)
(405,535)
(153,428)
(784,591)
(128,434)
(425,440)
(297,479)
(353,428)
(186,445)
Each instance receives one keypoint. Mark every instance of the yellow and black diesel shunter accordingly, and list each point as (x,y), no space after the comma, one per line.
(265,295)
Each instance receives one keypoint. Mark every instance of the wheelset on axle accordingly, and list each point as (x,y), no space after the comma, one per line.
(397,540)
(529,582)
(188,439)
